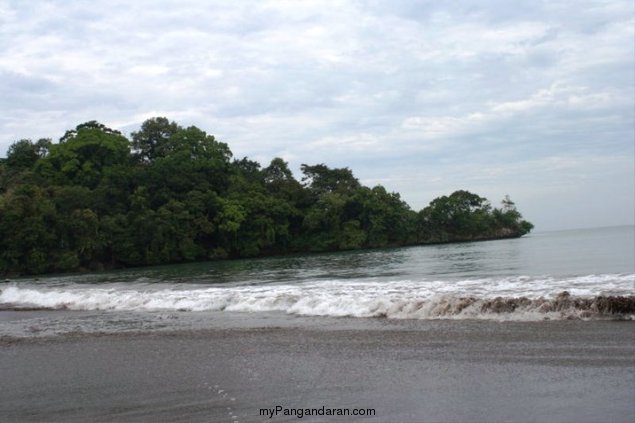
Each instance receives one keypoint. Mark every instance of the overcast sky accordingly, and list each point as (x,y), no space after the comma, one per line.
(535,99)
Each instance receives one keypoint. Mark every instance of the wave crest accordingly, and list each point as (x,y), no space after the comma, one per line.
(323,300)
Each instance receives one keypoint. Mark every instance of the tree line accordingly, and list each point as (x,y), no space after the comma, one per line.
(168,194)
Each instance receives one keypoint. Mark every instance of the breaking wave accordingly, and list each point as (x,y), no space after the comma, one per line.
(517,298)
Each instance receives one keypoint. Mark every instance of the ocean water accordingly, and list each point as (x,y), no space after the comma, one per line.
(586,274)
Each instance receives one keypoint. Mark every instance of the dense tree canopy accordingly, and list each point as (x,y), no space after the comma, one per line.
(171,194)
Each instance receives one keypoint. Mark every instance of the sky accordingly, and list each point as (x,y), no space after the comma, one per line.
(531,99)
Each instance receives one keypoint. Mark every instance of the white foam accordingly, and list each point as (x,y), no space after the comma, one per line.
(359,298)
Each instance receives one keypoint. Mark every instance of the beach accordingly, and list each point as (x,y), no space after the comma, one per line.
(405,370)
(539,329)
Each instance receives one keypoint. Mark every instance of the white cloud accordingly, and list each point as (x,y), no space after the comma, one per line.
(443,126)
(356,142)
(556,98)
(376,86)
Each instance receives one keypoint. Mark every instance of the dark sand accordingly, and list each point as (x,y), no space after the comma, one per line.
(417,371)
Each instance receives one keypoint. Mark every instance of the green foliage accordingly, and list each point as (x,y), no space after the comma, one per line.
(84,155)
(93,124)
(27,244)
(22,155)
(150,142)
(320,179)
(466,216)
(171,194)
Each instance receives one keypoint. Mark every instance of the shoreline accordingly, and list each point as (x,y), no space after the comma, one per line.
(407,371)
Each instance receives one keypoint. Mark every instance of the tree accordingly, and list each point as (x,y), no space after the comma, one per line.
(508,204)
(323,222)
(84,155)
(321,179)
(466,216)
(99,200)
(510,218)
(151,140)
(93,124)
(277,172)
(280,182)
(462,214)
(194,144)
(189,159)
(23,154)
(248,174)
(27,243)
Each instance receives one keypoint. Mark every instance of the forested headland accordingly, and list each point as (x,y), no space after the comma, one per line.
(168,194)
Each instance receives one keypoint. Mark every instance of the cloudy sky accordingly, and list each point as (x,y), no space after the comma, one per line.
(535,99)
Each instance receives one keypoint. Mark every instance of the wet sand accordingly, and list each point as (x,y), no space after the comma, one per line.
(410,371)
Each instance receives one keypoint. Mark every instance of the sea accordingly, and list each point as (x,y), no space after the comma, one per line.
(584,274)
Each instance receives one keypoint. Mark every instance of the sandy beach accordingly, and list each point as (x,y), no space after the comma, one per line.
(406,371)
